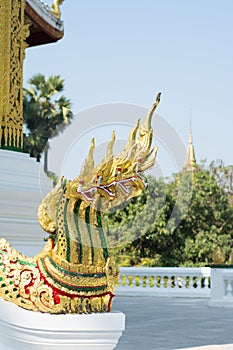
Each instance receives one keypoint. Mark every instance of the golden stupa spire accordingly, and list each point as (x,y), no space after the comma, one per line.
(190,163)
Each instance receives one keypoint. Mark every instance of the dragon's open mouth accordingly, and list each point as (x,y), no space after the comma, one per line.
(110,190)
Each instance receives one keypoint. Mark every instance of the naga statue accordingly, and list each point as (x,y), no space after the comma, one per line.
(75,272)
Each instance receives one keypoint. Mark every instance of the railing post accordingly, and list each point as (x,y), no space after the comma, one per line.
(221,287)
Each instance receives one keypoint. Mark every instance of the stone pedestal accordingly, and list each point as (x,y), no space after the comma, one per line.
(27,330)
(22,186)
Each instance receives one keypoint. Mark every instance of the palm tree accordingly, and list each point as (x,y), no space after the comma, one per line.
(46,113)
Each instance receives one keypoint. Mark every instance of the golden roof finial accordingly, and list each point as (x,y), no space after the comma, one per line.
(190,160)
(56,8)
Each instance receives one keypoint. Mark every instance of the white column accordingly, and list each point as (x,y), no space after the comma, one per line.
(22,187)
(27,330)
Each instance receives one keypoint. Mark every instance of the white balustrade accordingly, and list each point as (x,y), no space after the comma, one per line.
(165,281)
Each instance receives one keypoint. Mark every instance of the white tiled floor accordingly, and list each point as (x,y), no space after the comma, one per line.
(212,347)
(174,323)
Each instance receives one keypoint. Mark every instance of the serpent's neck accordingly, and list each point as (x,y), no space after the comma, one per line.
(80,234)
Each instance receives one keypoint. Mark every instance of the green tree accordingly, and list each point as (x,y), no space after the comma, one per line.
(188,221)
(46,113)
(224,177)
(208,223)
(142,233)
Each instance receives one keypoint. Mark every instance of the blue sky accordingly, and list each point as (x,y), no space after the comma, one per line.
(126,51)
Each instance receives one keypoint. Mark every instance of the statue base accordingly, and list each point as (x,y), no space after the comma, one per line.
(22,329)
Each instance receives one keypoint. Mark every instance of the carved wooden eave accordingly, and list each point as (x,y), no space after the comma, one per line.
(45,27)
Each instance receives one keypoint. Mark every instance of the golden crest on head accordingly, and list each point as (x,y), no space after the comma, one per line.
(115,174)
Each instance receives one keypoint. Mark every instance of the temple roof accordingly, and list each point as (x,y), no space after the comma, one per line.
(45,26)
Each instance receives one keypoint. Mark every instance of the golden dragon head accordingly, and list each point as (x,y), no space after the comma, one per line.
(117,178)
